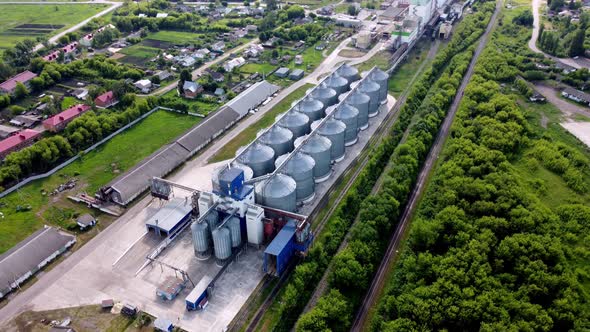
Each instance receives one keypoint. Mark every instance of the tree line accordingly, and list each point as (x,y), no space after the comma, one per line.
(484,252)
(335,310)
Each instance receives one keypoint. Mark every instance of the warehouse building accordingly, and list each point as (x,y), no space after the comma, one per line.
(29,256)
(170,218)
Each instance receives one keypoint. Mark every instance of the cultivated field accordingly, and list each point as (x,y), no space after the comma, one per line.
(92,171)
(19,22)
(156,43)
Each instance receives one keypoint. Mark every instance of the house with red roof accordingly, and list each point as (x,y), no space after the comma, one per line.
(106,100)
(19,141)
(68,51)
(25,78)
(59,121)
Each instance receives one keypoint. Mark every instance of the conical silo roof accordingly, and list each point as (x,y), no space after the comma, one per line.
(279,139)
(259,157)
(279,193)
(327,96)
(349,115)
(298,123)
(313,108)
(336,82)
(361,102)
(349,73)
(380,77)
(319,148)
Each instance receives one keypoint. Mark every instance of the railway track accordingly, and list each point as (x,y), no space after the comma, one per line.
(433,154)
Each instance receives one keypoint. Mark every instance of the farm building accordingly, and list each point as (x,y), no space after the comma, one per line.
(6,131)
(16,142)
(106,100)
(144,85)
(252,97)
(25,78)
(296,74)
(85,221)
(282,72)
(576,95)
(59,121)
(170,217)
(218,47)
(30,255)
(26,121)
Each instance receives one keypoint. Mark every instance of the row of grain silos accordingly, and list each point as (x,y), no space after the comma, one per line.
(298,150)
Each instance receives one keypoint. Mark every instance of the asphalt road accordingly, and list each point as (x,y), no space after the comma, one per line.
(376,285)
(54,39)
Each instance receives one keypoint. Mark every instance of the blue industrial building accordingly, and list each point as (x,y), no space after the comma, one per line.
(279,252)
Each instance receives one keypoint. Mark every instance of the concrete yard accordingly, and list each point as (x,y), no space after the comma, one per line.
(579,129)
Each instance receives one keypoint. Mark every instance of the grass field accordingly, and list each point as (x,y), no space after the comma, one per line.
(176,37)
(249,134)
(201,106)
(63,16)
(95,170)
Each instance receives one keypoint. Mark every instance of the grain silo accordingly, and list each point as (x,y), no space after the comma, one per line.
(333,130)
(327,96)
(313,108)
(297,122)
(200,234)
(361,102)
(235,231)
(259,157)
(212,218)
(349,115)
(371,89)
(319,148)
(279,192)
(350,73)
(339,84)
(380,77)
(279,139)
(300,167)
(222,244)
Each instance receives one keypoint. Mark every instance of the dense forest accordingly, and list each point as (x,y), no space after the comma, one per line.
(493,247)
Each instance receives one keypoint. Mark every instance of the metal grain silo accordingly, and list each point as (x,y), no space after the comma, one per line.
(333,130)
(372,90)
(212,218)
(339,84)
(200,234)
(297,122)
(349,115)
(319,148)
(300,167)
(279,192)
(235,231)
(259,157)
(222,243)
(361,102)
(380,77)
(327,96)
(313,108)
(350,73)
(279,139)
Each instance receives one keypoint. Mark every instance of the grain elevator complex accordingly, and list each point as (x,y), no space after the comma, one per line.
(254,222)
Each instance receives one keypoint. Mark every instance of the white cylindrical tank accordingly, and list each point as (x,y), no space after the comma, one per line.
(235,231)
(222,243)
(200,234)
(333,130)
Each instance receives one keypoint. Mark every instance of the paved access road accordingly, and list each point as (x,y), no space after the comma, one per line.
(566,107)
(54,39)
(377,284)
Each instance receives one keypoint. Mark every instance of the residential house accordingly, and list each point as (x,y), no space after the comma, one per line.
(106,100)
(282,72)
(234,63)
(163,75)
(240,33)
(26,121)
(52,56)
(251,28)
(145,85)
(286,58)
(326,10)
(296,74)
(216,76)
(219,92)
(254,51)
(299,44)
(25,78)
(576,95)
(6,131)
(80,93)
(59,121)
(19,141)
(191,89)
(218,47)
(85,221)
(303,20)
(272,42)
(188,61)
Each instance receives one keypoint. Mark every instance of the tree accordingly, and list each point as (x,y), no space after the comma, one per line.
(294,12)
(352,10)
(271,5)
(185,75)
(577,46)
(20,91)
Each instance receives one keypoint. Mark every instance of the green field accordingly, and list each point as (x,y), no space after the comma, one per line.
(196,106)
(95,170)
(140,51)
(176,37)
(246,136)
(14,16)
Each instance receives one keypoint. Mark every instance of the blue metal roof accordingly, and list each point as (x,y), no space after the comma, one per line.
(281,240)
